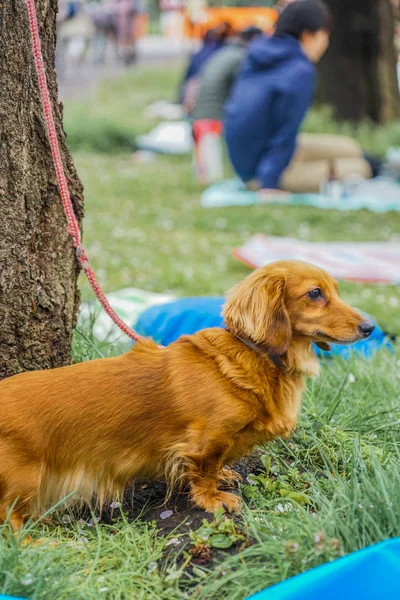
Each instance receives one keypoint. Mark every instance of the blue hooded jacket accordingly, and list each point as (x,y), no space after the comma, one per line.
(268,102)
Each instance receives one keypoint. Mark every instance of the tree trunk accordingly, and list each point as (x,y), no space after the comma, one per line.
(387,61)
(358,73)
(38,269)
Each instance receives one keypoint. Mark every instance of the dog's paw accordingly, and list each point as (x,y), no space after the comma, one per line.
(227,477)
(210,503)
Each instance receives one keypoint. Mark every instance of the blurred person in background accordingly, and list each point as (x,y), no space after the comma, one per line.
(125,11)
(213,41)
(67,9)
(269,100)
(75,33)
(114,23)
(218,75)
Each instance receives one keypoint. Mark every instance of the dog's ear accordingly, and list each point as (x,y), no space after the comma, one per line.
(256,309)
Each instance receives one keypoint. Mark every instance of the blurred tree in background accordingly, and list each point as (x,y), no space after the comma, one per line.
(358,73)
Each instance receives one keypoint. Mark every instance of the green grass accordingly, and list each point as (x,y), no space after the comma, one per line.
(331,489)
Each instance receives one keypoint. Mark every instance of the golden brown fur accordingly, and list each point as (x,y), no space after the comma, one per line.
(181,412)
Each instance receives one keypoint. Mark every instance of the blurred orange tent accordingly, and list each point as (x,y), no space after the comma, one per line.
(238,17)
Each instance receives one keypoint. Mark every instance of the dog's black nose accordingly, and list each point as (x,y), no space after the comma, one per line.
(366,328)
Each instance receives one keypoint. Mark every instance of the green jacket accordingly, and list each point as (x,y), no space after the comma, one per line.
(216,81)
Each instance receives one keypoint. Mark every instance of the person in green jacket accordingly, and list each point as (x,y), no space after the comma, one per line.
(218,76)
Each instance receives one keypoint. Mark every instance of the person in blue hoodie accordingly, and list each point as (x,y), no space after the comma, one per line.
(273,92)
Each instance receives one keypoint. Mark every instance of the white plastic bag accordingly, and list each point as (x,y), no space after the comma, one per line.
(168,138)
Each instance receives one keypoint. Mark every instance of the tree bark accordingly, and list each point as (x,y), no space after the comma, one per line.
(358,73)
(387,61)
(38,268)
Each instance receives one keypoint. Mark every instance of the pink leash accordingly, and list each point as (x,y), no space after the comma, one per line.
(73,225)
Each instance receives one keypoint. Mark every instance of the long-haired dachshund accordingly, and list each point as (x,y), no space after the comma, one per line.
(179,413)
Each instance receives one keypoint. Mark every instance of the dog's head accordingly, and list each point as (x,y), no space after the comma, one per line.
(292,300)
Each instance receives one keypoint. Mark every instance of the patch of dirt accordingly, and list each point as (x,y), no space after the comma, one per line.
(175,518)
(147,503)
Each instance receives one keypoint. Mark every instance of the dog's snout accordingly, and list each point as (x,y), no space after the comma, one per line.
(366,328)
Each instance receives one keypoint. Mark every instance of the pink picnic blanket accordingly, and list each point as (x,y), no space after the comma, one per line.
(373,262)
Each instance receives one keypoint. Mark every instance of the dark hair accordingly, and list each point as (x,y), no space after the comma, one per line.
(219,33)
(303,15)
(247,34)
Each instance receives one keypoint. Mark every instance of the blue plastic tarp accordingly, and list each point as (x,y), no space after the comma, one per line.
(369,574)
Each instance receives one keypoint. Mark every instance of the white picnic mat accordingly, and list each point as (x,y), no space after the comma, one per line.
(128,303)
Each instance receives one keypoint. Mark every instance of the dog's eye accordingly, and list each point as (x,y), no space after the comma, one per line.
(315,294)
